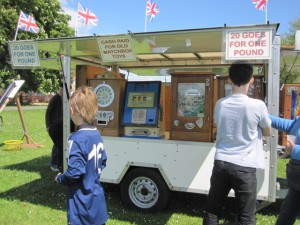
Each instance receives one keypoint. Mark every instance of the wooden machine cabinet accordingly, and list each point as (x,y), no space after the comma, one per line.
(289,106)
(256,90)
(191,108)
(110,93)
(84,73)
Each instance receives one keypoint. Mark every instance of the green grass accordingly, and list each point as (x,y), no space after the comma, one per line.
(29,195)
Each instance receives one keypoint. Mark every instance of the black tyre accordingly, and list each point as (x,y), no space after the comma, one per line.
(145,190)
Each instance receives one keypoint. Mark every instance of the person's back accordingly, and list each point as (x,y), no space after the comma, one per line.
(86,159)
(54,111)
(241,123)
(239,136)
(86,199)
(54,126)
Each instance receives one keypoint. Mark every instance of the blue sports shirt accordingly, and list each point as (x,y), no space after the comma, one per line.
(85,196)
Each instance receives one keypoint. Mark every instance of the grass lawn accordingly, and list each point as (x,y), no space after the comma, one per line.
(29,195)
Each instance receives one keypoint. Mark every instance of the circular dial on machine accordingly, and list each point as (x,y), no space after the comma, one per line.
(105,94)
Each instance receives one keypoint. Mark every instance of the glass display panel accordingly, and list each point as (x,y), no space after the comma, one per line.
(141,99)
(251,89)
(191,99)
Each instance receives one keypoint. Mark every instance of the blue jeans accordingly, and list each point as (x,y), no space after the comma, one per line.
(290,207)
(226,176)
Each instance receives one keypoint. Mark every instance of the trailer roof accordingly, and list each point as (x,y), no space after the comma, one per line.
(154,51)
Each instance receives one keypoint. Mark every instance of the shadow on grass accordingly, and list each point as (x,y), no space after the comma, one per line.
(46,192)
(43,191)
(189,204)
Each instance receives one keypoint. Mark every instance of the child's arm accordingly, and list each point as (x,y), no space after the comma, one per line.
(76,167)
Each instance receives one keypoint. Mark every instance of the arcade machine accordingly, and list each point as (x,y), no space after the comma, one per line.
(191,116)
(141,116)
(256,90)
(289,106)
(109,88)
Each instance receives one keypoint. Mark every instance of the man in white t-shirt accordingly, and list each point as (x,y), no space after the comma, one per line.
(241,124)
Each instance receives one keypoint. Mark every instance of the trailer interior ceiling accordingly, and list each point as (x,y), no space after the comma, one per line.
(156,53)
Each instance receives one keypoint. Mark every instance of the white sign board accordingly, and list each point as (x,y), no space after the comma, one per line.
(24,54)
(10,92)
(16,86)
(114,49)
(245,44)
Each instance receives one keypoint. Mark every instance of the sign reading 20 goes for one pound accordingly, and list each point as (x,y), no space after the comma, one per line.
(24,55)
(248,44)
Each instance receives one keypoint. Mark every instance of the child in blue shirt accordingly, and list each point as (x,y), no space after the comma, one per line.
(86,159)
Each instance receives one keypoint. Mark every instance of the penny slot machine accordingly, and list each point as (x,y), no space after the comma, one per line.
(141,110)
(191,106)
(289,106)
(109,89)
(256,89)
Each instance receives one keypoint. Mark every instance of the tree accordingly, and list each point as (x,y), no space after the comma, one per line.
(289,37)
(52,23)
(290,72)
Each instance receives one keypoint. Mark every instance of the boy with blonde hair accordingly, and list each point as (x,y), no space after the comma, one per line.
(86,158)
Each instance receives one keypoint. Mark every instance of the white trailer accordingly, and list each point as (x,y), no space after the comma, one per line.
(148,169)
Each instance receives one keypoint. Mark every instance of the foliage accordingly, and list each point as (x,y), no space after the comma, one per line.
(52,23)
(29,195)
(289,72)
(289,38)
(290,75)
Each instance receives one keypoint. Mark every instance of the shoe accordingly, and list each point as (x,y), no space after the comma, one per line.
(54,168)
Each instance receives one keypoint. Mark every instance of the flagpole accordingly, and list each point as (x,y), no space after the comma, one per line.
(76,20)
(17,27)
(146,18)
(267,8)
(76,27)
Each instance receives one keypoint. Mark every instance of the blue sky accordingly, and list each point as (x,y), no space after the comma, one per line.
(117,16)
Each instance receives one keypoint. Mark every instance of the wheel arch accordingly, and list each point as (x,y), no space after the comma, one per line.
(156,167)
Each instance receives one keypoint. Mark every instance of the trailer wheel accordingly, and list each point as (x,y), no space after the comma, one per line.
(144,190)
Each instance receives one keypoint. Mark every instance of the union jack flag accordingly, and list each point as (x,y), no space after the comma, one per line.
(27,23)
(151,9)
(260,4)
(86,16)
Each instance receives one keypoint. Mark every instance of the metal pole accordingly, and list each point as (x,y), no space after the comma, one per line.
(66,107)
(273,108)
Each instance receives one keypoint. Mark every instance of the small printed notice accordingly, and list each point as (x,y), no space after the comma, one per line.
(248,44)
(139,116)
(24,55)
(115,49)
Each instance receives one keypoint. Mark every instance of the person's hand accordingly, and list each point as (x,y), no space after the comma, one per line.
(289,146)
(56,177)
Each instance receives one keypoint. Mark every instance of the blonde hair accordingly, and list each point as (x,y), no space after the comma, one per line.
(84,101)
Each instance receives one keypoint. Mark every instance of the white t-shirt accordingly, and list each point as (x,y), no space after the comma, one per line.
(239,136)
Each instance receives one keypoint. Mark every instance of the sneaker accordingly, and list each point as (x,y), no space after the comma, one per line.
(54,168)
